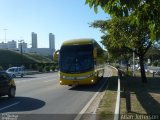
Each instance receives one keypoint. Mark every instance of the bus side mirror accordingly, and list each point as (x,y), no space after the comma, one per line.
(56,56)
(95,53)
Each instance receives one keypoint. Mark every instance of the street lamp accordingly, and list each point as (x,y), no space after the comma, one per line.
(5,35)
(20,43)
(133,60)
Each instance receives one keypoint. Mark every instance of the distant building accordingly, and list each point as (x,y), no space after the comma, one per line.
(12,44)
(24,45)
(34,49)
(9,45)
(51,41)
(3,45)
(34,40)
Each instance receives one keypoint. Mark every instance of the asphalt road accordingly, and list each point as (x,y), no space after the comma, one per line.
(41,97)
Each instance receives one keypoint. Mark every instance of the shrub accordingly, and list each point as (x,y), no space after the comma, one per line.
(10,65)
(47,68)
(35,66)
(128,73)
(30,66)
(1,68)
(40,68)
(155,63)
(53,68)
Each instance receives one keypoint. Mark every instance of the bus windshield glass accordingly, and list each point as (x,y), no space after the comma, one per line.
(76,58)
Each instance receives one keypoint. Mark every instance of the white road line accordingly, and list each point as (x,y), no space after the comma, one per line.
(9,106)
(78,117)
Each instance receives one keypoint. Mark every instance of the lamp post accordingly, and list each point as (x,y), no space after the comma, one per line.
(20,43)
(133,60)
(5,35)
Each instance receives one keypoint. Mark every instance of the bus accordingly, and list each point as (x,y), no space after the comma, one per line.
(81,62)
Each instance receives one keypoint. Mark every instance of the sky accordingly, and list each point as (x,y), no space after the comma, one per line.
(66,19)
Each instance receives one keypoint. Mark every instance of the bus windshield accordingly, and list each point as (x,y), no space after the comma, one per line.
(76,58)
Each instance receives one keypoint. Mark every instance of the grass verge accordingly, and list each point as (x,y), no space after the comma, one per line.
(145,99)
(107,105)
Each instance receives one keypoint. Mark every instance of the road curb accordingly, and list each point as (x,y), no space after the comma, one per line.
(98,96)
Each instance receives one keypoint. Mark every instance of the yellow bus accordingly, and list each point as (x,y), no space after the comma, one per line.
(80,62)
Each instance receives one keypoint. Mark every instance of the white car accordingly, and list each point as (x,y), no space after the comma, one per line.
(145,68)
(16,71)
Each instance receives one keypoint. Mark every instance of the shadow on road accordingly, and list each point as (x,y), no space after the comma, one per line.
(19,104)
(91,88)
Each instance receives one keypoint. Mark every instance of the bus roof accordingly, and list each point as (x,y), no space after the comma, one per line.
(78,42)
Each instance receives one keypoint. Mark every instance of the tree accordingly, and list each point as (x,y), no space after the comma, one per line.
(142,11)
(1,68)
(123,37)
(153,54)
(144,15)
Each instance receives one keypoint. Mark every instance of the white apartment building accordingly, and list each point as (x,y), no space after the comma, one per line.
(9,45)
(12,44)
(3,45)
(23,44)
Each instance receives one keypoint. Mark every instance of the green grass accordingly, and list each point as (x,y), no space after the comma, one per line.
(14,58)
(107,105)
(145,98)
(39,58)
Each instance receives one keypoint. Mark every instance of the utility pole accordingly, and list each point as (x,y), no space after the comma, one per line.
(20,43)
(5,36)
(133,60)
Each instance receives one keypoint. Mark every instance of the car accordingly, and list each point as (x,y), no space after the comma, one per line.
(7,85)
(157,72)
(16,71)
(145,68)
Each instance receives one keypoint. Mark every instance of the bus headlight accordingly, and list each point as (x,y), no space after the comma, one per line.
(92,81)
(63,76)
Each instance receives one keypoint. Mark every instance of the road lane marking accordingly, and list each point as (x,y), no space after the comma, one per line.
(9,106)
(80,114)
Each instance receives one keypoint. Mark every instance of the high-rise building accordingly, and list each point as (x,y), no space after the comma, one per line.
(34,40)
(51,41)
